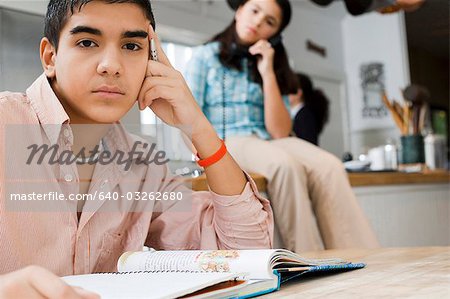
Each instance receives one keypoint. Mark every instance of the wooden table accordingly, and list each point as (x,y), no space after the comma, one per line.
(390,273)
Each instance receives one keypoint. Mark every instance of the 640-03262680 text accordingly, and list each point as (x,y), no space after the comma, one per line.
(102,196)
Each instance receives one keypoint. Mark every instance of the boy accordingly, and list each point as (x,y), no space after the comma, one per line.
(95,56)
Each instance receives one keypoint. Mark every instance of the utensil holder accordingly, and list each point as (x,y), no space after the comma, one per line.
(412,149)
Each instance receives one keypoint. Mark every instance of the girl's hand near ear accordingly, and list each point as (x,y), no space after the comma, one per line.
(265,60)
(276,116)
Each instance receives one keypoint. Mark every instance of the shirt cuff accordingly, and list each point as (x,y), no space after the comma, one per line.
(248,203)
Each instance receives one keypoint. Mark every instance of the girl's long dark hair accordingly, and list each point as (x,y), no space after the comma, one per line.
(231,56)
(315,100)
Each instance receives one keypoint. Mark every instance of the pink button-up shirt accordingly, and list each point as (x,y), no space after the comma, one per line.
(56,240)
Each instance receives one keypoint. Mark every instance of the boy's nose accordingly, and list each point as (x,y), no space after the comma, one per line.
(110,63)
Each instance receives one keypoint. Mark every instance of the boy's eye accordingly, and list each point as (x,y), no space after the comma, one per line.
(270,23)
(86,44)
(132,47)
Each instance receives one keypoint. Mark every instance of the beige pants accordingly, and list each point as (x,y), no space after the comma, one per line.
(312,200)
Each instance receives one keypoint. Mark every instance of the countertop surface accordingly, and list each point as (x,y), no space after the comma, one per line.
(397,178)
(358,179)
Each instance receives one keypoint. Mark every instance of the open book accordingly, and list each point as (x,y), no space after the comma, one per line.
(204,273)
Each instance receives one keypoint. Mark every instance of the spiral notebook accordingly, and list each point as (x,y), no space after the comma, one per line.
(204,274)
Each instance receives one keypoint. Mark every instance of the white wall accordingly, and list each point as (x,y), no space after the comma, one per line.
(311,24)
(374,38)
(20,35)
(197,20)
(34,6)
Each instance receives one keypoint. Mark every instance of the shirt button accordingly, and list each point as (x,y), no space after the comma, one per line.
(68,178)
(103,184)
(66,133)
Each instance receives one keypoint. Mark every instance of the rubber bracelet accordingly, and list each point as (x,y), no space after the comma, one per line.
(214,158)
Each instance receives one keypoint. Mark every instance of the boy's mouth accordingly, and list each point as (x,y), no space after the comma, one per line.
(109,91)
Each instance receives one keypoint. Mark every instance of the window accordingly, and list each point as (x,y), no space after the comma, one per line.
(170,138)
(178,55)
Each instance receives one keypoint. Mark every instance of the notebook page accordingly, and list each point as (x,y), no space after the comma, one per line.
(146,285)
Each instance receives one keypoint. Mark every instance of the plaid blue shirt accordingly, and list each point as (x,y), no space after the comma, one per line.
(211,82)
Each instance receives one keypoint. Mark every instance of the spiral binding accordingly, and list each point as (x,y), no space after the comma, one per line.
(155,271)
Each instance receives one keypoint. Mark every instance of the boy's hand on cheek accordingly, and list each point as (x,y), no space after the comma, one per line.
(165,91)
(36,282)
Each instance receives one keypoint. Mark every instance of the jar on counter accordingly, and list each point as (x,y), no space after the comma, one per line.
(435,151)
(390,156)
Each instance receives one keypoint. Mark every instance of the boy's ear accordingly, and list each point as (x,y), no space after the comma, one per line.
(48,57)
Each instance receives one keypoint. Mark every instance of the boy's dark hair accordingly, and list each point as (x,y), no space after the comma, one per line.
(58,13)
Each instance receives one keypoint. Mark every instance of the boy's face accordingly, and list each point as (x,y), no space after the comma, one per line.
(101,61)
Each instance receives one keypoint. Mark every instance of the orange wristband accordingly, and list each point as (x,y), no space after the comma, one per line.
(214,158)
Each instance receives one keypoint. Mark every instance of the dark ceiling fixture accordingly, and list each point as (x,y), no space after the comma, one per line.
(355,7)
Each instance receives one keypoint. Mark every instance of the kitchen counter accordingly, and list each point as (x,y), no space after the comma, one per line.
(397,178)
(358,179)
(396,204)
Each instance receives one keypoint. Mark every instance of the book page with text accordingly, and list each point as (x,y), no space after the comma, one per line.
(254,262)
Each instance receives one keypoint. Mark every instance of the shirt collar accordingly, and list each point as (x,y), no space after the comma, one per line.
(295,109)
(48,108)
(118,139)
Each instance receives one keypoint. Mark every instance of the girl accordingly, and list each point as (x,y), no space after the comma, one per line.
(309,110)
(238,79)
